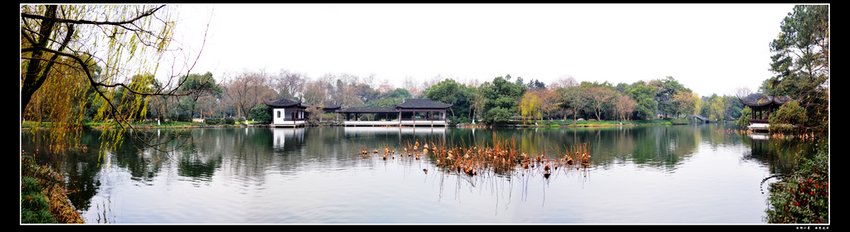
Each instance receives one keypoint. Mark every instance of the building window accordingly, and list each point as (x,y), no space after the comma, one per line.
(278,114)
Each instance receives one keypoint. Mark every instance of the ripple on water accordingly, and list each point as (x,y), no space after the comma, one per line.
(312,179)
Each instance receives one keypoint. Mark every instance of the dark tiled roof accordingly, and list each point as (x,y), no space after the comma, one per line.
(286,102)
(368,110)
(329,105)
(422,103)
(758,100)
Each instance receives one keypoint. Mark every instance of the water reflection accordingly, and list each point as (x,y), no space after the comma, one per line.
(281,135)
(287,165)
(780,154)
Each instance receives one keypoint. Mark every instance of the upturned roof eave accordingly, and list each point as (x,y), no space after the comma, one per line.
(771,101)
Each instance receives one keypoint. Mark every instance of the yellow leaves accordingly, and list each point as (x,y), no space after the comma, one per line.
(61,99)
(530,106)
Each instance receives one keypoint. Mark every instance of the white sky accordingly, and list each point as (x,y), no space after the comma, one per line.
(709,48)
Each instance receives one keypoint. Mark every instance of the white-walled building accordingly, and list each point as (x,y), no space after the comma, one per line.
(287,112)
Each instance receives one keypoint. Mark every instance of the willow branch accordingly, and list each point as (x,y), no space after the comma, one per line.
(82,21)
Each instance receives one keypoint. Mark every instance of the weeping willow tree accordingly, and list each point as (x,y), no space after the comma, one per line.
(74,57)
(530,107)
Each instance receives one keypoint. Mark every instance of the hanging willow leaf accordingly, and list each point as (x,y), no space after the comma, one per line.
(76,57)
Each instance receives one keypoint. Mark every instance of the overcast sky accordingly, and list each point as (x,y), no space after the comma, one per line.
(709,48)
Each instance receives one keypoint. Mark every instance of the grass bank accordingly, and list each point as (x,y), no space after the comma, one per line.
(587,123)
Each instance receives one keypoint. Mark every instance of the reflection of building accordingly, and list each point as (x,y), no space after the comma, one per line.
(758,136)
(396,131)
(399,130)
(411,112)
(280,135)
(761,104)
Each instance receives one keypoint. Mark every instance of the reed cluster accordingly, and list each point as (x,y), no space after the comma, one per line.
(803,136)
(502,156)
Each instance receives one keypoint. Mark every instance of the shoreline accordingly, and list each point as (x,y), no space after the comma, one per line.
(454,125)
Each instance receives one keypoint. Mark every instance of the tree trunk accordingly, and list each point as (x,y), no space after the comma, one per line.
(597,116)
(32,81)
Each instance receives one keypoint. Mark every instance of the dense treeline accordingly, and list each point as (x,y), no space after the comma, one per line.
(496,101)
(800,63)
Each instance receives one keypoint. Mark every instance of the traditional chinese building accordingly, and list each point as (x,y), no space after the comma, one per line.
(761,106)
(330,106)
(287,112)
(422,112)
(411,112)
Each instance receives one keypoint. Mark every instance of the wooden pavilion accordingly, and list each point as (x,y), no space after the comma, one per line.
(761,106)
(411,112)
(419,111)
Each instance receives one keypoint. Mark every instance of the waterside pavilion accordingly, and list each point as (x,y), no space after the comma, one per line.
(287,112)
(411,112)
(761,104)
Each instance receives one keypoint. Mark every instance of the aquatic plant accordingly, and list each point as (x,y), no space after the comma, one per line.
(500,156)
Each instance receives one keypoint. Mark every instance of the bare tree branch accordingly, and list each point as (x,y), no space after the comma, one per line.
(119,23)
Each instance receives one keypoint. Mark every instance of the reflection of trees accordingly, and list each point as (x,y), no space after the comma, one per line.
(622,140)
(138,161)
(323,143)
(655,146)
(780,155)
(200,158)
(249,151)
(531,142)
(80,169)
(246,154)
(681,143)
(719,135)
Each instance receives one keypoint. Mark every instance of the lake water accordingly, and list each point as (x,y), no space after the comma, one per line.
(690,174)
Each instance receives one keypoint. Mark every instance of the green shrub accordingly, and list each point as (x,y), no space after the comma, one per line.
(229,121)
(679,120)
(184,118)
(458,120)
(262,114)
(803,196)
(212,121)
(744,120)
(789,114)
(34,207)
